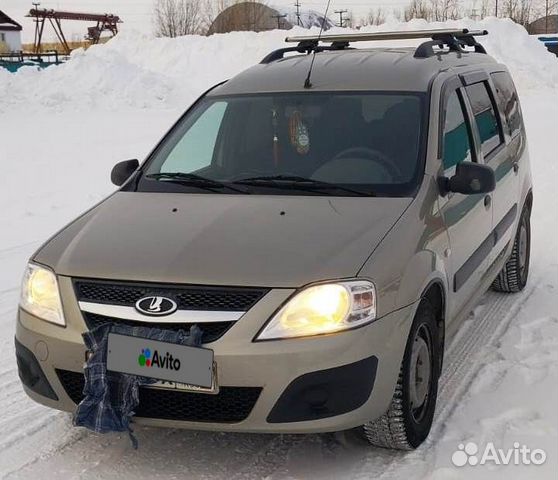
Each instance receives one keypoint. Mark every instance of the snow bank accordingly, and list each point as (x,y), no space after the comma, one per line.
(135,70)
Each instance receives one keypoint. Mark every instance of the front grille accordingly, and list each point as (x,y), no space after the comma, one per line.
(211,331)
(230,405)
(224,299)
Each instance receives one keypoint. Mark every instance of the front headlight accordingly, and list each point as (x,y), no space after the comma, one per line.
(40,295)
(325,308)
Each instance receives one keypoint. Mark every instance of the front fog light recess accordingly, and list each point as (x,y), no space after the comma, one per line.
(40,295)
(325,308)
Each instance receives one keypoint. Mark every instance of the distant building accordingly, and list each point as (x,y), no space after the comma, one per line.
(257,17)
(544,25)
(10,33)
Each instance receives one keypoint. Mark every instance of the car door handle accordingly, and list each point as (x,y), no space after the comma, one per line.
(516,167)
(487,201)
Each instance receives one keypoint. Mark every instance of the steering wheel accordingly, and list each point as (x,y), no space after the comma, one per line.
(372,155)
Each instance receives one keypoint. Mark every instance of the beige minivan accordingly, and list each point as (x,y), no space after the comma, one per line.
(327,218)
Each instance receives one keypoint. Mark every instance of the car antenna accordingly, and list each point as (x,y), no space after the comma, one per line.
(308,83)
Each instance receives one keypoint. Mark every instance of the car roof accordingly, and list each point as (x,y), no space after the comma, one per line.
(379,69)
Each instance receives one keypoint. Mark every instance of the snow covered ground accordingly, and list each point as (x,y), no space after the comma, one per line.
(61,130)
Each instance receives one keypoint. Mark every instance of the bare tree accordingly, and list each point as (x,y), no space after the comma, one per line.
(442,10)
(432,10)
(376,17)
(212,9)
(417,9)
(520,11)
(485,9)
(173,18)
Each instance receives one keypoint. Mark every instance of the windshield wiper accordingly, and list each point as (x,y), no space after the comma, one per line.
(191,179)
(294,181)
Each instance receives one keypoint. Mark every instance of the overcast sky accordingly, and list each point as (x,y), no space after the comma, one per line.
(137,13)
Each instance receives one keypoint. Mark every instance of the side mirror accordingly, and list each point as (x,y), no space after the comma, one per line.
(122,171)
(469,179)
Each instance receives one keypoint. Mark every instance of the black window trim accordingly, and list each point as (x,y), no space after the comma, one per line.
(470,78)
(450,86)
(486,80)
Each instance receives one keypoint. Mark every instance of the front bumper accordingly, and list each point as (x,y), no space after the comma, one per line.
(319,384)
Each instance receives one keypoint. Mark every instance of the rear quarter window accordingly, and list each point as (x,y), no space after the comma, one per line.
(508,102)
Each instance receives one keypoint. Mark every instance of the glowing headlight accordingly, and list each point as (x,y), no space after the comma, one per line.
(323,309)
(40,296)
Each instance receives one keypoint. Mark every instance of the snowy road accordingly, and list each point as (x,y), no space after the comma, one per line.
(500,379)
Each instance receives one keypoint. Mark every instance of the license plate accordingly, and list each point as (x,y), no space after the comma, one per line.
(185,387)
(170,362)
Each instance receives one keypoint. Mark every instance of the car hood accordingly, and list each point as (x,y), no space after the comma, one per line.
(273,241)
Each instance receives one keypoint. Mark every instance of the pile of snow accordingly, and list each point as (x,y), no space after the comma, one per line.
(135,70)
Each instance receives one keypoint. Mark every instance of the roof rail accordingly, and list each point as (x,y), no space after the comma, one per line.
(455,39)
(301,48)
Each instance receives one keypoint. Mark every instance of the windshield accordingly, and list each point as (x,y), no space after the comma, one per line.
(295,144)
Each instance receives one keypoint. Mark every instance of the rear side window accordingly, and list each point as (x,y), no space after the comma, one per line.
(457,143)
(508,101)
(485,117)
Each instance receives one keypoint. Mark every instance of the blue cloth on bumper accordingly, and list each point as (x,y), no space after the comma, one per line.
(111,397)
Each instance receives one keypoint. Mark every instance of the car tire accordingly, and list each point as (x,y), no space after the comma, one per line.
(513,277)
(405,426)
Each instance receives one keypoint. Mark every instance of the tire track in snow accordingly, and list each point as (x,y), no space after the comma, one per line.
(34,420)
(49,438)
(270,457)
(19,248)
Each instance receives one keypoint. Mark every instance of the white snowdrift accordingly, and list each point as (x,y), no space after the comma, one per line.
(135,70)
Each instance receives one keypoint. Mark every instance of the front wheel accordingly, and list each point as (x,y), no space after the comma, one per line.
(513,277)
(408,420)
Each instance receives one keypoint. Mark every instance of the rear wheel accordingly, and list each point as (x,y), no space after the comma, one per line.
(513,277)
(408,420)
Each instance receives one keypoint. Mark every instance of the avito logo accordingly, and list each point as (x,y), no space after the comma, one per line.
(166,361)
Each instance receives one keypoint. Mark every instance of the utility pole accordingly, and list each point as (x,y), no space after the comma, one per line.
(36,21)
(279,17)
(341,19)
(496,11)
(546,11)
(298,5)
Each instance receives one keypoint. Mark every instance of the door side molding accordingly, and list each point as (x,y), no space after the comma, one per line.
(476,258)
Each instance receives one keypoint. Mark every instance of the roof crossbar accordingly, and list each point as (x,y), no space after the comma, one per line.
(369,37)
(455,39)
